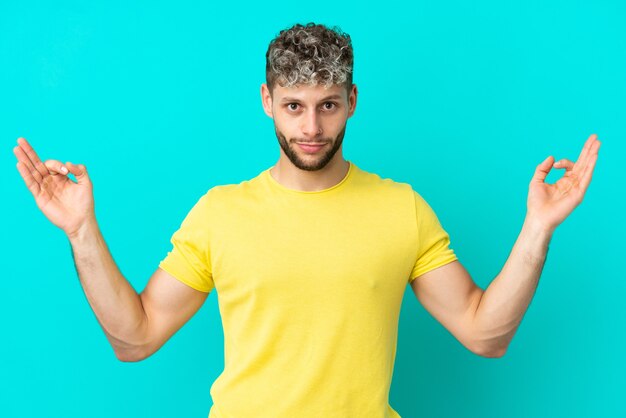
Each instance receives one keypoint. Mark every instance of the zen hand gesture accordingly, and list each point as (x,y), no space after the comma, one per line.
(550,204)
(67,204)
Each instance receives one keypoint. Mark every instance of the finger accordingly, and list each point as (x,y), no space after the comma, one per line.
(586,179)
(587,146)
(32,155)
(28,164)
(564,163)
(581,162)
(542,170)
(582,166)
(588,173)
(79,171)
(28,178)
(56,167)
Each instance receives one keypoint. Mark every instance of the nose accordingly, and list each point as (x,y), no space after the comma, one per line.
(311,124)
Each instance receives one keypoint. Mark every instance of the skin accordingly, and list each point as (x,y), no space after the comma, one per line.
(486,321)
(309,114)
(137,325)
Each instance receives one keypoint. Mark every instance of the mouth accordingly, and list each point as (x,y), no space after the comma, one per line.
(311,147)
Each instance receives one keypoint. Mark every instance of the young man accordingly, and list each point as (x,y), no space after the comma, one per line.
(310,258)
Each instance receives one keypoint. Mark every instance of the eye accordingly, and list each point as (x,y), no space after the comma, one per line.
(292,106)
(331,107)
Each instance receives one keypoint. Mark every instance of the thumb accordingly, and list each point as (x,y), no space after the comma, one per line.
(55,167)
(542,170)
(80,172)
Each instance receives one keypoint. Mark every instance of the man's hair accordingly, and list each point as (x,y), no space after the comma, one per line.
(309,54)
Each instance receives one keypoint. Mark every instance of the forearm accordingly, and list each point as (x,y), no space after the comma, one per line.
(115,303)
(505,301)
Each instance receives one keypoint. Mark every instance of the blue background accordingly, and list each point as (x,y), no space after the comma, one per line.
(460,99)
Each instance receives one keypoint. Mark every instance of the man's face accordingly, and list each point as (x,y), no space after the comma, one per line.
(310,121)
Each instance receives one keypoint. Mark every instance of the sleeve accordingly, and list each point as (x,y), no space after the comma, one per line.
(189,260)
(433,248)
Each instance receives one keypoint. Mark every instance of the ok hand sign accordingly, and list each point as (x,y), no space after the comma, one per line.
(550,204)
(67,204)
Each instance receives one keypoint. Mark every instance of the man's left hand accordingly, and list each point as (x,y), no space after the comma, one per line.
(549,204)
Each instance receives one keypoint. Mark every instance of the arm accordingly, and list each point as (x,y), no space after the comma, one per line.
(135,325)
(486,321)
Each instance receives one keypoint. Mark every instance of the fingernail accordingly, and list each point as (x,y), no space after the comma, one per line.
(63,169)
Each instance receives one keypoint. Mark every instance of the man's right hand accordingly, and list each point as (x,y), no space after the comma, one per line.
(137,325)
(66,203)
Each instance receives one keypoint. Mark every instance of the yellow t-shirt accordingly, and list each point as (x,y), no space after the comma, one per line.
(309,288)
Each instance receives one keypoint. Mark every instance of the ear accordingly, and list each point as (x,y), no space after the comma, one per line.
(266,99)
(352,100)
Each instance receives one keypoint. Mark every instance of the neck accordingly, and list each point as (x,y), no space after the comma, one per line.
(290,176)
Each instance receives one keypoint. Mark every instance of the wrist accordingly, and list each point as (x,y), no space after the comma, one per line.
(87,229)
(537,228)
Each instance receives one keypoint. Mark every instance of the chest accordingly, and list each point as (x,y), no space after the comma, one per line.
(336,254)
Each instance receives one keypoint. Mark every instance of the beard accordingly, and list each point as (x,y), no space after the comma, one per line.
(317,161)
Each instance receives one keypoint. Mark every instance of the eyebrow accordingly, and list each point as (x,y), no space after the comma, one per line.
(293,99)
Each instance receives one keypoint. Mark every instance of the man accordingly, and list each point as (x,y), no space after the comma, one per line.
(310,258)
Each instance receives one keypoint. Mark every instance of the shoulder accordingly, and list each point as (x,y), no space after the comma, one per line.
(393,190)
(225,197)
(381,183)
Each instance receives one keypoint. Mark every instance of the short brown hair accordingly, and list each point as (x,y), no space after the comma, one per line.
(309,54)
